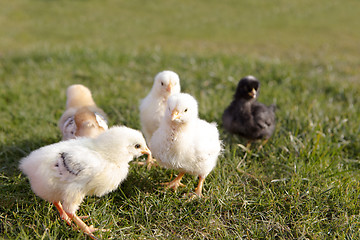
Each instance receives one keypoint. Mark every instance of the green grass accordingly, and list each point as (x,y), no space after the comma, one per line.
(304,184)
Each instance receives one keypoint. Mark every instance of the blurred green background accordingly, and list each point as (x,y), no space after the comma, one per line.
(325,29)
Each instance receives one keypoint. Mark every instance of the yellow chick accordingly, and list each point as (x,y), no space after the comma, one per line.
(82,117)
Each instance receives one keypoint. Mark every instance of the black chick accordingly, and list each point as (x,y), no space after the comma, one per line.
(247,117)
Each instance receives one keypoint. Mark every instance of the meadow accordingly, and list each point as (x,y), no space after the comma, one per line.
(304,183)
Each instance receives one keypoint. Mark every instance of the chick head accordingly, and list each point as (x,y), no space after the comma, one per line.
(77,95)
(121,143)
(247,88)
(166,83)
(181,108)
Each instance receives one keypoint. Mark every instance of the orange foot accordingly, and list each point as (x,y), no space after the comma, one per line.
(149,162)
(174,184)
(198,190)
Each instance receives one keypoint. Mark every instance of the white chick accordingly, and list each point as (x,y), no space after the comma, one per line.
(184,142)
(82,117)
(64,173)
(152,107)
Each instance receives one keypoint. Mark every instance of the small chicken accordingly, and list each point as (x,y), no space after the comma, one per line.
(247,117)
(64,173)
(184,142)
(82,117)
(152,107)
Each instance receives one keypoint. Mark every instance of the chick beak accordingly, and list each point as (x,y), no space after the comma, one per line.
(252,93)
(169,87)
(175,115)
(146,151)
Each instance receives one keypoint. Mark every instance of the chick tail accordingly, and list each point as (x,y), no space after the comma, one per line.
(273,107)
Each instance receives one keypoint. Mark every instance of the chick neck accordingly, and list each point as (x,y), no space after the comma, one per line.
(178,126)
(109,149)
(244,105)
(176,129)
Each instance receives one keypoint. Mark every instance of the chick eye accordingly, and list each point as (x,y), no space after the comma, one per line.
(162,84)
(185,110)
(137,146)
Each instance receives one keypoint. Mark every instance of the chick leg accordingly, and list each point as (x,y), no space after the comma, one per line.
(174,184)
(198,189)
(263,143)
(82,226)
(62,212)
(248,144)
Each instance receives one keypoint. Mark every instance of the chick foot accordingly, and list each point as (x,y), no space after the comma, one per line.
(88,230)
(150,161)
(198,190)
(263,143)
(245,148)
(174,184)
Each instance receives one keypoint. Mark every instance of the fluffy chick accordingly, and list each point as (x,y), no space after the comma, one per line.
(152,107)
(82,117)
(184,142)
(247,117)
(64,173)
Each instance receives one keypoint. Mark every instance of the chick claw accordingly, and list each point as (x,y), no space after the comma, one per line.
(88,230)
(149,162)
(174,184)
(192,196)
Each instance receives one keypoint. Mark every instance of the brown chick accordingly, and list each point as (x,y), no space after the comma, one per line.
(87,124)
(82,117)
